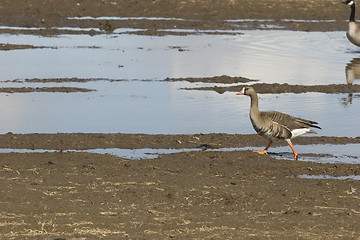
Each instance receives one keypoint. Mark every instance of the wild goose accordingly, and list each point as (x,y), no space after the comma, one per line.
(353,33)
(276,125)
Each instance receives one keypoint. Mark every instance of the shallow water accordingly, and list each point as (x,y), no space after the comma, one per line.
(159,107)
(353,177)
(270,56)
(321,153)
(141,102)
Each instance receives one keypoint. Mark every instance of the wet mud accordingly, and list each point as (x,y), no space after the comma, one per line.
(236,194)
(202,194)
(73,195)
(199,15)
(7,47)
(79,141)
(265,88)
(193,195)
(276,88)
(217,79)
(44,89)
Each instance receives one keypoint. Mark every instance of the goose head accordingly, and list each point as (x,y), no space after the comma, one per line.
(348,2)
(247,91)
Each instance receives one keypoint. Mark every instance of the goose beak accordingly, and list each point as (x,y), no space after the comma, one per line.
(241,92)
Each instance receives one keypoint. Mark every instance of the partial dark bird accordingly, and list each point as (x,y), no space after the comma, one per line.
(353,33)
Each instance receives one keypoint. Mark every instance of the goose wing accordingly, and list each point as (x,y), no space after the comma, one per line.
(289,121)
(273,128)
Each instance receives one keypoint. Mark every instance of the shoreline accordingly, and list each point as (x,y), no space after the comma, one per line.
(155,18)
(79,141)
(187,195)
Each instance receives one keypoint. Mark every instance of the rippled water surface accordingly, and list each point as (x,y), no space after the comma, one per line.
(132,97)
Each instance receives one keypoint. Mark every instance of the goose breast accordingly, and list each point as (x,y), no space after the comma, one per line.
(269,125)
(353,34)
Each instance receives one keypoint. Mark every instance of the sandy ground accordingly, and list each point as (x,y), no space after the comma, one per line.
(193,195)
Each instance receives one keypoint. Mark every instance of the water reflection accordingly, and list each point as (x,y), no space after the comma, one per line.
(352,71)
(348,100)
(283,56)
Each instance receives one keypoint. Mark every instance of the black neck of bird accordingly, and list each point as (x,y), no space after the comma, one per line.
(352,14)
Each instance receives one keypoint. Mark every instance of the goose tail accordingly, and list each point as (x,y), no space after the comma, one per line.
(308,123)
(301,131)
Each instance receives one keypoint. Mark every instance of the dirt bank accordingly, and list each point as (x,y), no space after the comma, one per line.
(270,88)
(7,47)
(276,88)
(79,141)
(43,89)
(217,79)
(197,195)
(199,15)
(194,195)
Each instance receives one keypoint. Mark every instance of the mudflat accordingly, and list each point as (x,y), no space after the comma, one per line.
(198,14)
(190,195)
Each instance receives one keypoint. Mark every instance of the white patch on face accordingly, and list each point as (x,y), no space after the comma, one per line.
(351,3)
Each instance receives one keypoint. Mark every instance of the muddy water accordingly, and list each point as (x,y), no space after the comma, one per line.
(354,177)
(321,153)
(139,101)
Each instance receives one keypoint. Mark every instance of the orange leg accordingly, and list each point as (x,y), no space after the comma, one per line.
(265,150)
(292,148)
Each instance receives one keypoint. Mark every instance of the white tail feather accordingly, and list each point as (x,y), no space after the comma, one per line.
(301,131)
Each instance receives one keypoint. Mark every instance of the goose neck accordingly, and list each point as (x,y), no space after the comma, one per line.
(352,14)
(254,109)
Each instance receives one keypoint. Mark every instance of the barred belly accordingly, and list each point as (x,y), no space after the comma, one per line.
(273,132)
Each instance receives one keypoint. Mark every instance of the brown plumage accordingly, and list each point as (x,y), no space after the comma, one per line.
(276,125)
(353,32)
